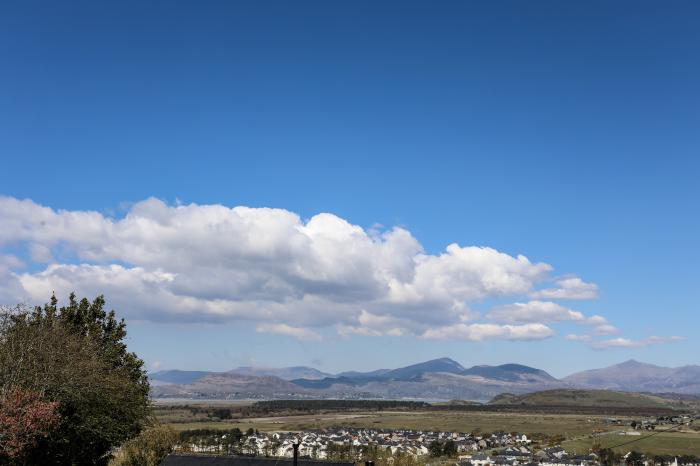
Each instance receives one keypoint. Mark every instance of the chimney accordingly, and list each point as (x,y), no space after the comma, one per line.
(296,453)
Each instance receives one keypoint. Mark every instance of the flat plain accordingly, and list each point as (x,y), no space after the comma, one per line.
(569,425)
(664,443)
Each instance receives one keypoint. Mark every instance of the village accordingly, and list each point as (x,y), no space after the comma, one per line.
(467,449)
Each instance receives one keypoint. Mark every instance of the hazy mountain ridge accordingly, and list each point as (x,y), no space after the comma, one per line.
(637,376)
(223,385)
(285,373)
(437,379)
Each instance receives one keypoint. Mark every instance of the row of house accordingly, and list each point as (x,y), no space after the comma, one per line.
(317,443)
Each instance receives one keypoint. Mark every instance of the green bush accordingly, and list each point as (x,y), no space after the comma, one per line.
(148,449)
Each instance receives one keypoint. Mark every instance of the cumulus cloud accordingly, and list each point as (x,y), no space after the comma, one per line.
(568,288)
(575,337)
(189,262)
(621,342)
(373,325)
(533,311)
(605,329)
(629,343)
(479,332)
(296,332)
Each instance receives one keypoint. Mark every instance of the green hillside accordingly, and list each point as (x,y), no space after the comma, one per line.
(570,397)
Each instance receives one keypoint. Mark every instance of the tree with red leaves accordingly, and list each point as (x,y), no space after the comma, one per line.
(24,419)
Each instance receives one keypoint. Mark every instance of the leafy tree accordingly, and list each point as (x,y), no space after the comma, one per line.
(76,357)
(635,458)
(221,413)
(449,448)
(435,448)
(24,419)
(147,449)
(608,457)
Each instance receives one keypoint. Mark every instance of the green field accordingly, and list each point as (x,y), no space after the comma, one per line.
(665,443)
(567,425)
(585,398)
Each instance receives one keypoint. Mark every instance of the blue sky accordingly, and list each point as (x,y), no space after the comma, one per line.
(563,131)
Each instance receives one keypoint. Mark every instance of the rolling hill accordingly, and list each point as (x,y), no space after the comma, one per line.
(582,398)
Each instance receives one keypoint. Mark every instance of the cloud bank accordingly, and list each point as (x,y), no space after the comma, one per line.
(284,274)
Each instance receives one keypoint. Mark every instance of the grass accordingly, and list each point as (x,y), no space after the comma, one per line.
(665,443)
(567,425)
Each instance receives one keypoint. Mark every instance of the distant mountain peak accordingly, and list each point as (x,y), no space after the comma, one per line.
(446,360)
(633,362)
(633,375)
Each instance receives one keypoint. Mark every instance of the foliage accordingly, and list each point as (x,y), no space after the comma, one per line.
(149,448)
(449,448)
(380,456)
(24,419)
(336,405)
(221,413)
(635,458)
(224,440)
(76,357)
(440,448)
(607,456)
(435,448)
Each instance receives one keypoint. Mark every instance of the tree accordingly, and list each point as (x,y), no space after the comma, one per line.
(449,448)
(635,458)
(608,457)
(24,419)
(75,356)
(147,449)
(435,448)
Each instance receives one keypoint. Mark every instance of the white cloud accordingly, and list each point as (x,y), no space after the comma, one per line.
(479,332)
(597,320)
(605,329)
(574,337)
(568,288)
(533,311)
(284,329)
(373,325)
(268,266)
(629,343)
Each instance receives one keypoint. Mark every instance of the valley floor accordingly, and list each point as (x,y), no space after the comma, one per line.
(576,432)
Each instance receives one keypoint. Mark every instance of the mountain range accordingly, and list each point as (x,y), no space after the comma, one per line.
(437,379)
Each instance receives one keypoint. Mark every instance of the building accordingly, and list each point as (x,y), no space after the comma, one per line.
(209,460)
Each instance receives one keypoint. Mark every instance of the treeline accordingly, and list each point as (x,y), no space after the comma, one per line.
(335,405)
(562,409)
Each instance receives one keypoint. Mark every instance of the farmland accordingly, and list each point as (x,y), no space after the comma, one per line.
(665,443)
(576,431)
(198,416)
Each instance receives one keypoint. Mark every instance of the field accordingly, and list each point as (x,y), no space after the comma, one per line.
(578,430)
(567,425)
(666,443)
